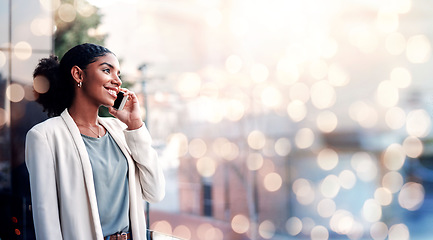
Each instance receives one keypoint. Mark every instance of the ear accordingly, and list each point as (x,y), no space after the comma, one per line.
(77,74)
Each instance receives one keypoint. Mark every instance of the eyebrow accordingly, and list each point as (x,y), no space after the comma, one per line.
(109,65)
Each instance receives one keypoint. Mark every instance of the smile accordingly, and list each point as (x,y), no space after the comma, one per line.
(112,92)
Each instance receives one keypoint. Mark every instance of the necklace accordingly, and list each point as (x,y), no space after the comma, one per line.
(97,134)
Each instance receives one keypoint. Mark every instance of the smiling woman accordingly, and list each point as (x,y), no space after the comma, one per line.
(89,175)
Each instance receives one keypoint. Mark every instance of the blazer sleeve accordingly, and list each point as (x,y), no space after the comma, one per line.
(151,176)
(40,164)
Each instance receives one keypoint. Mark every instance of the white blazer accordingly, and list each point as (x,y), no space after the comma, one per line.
(63,195)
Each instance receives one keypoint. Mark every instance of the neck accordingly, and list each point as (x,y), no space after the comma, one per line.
(84,114)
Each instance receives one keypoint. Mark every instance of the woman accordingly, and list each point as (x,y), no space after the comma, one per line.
(89,175)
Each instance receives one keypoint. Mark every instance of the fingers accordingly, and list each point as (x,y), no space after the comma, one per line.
(112,111)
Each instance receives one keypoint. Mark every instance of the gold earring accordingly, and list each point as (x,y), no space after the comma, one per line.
(80,84)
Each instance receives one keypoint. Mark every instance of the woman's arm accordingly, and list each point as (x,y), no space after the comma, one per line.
(151,176)
(41,167)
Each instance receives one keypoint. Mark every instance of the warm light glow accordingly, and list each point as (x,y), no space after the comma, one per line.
(319,69)
(197,148)
(240,224)
(330,186)
(267,229)
(239,26)
(283,147)
(327,159)
(394,157)
(304,138)
(233,64)
(219,144)
(259,72)
(299,91)
(293,226)
(379,231)
(337,76)
(210,90)
(395,43)
(395,118)
(297,110)
(206,166)
(387,94)
(189,85)
(401,77)
(272,182)
(15,92)
(23,50)
(41,27)
(162,227)
(329,48)
(67,12)
(365,166)
(85,9)
(271,97)
(287,71)
(41,84)
(182,231)
(304,192)
(418,123)
(398,232)
(179,144)
(256,140)
(363,38)
(323,95)
(319,233)
(418,49)
(393,181)
(235,110)
(326,208)
(387,21)
(347,179)
(50,5)
(254,161)
(364,114)
(411,196)
(413,146)
(341,222)
(214,18)
(327,121)
(225,149)
(207,231)
(372,211)
(383,196)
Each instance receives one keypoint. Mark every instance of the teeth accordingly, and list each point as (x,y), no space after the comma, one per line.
(112,92)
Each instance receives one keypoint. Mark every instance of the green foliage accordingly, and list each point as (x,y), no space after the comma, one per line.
(69,34)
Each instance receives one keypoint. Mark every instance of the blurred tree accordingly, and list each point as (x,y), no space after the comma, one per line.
(77,22)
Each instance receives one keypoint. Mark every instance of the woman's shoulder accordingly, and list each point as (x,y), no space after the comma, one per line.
(51,124)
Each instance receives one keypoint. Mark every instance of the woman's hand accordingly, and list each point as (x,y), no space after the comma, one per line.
(131,112)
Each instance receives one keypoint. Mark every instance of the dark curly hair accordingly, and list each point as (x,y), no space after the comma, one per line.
(61,90)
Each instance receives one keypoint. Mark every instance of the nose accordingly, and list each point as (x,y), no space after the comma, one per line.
(117,80)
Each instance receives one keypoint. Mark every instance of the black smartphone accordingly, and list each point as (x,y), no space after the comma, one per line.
(120,101)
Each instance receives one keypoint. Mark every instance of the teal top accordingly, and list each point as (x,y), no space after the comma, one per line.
(110,175)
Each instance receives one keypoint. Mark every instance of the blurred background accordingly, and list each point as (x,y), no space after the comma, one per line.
(274,119)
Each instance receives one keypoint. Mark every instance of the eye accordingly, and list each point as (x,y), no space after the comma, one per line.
(106,70)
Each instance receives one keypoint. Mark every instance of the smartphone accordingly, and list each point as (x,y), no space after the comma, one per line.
(120,101)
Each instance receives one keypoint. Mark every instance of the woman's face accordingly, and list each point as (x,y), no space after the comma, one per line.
(102,80)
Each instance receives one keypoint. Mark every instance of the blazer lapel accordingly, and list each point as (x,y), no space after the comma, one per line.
(87,170)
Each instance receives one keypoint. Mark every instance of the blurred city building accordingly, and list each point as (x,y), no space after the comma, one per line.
(274,119)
